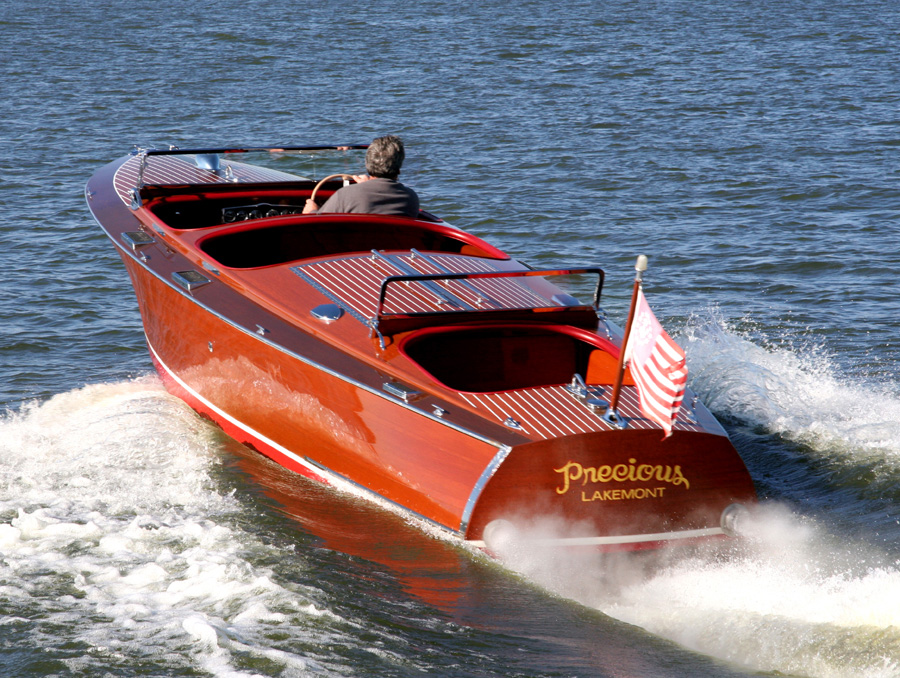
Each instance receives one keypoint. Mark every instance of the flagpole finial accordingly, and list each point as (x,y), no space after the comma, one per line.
(639,267)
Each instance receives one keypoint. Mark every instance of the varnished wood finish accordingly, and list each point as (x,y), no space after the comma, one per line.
(476,424)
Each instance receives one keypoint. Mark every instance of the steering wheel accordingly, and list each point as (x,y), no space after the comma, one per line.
(346,177)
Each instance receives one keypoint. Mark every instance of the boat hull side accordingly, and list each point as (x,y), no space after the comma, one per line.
(312,420)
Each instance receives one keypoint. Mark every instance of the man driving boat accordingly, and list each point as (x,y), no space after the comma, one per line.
(378,192)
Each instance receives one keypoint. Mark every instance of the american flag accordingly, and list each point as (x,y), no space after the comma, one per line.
(657,365)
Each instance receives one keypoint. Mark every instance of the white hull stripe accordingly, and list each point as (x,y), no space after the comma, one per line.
(619,539)
(256,435)
(335,479)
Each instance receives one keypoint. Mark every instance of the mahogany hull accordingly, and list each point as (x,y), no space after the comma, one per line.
(321,400)
(305,416)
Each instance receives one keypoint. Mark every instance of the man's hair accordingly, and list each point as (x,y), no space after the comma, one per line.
(385,157)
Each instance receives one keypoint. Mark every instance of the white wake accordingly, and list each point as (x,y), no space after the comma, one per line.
(115,539)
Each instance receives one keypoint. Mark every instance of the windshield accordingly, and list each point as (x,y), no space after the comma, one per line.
(314,164)
(283,163)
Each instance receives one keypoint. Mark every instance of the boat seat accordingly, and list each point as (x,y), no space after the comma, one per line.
(602,368)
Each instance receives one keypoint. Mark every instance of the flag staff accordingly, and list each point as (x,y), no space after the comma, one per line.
(612,416)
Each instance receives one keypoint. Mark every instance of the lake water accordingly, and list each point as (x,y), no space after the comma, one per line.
(748,148)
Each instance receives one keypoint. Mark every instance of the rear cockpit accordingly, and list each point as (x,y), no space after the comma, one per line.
(510,357)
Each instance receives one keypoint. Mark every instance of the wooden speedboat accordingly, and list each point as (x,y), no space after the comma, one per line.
(404,357)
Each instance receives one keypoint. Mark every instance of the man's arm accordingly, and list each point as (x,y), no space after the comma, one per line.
(310,207)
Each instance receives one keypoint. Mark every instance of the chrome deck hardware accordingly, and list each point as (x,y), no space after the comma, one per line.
(577,387)
(137,239)
(405,393)
(581,392)
(190,280)
(512,423)
(327,313)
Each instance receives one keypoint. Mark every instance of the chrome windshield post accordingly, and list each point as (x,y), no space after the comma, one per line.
(135,192)
(374,331)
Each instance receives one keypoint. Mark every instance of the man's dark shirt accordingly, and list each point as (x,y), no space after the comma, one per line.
(375,196)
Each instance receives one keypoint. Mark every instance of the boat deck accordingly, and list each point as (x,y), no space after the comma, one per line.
(355,283)
(138,170)
(549,412)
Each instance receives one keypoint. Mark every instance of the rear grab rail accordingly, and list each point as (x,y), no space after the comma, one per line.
(560,300)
